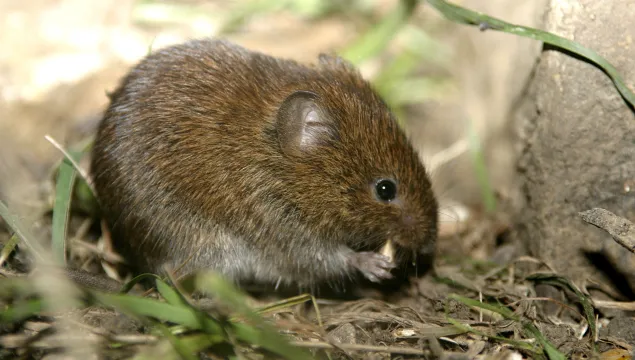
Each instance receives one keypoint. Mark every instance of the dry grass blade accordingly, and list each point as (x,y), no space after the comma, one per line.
(361,347)
(622,230)
(620,305)
(529,327)
(292,301)
(283,304)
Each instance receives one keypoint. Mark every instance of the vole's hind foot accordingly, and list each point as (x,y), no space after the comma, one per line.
(374,266)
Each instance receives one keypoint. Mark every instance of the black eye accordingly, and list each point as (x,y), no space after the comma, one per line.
(386,190)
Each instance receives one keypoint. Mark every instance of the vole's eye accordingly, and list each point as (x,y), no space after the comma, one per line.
(386,190)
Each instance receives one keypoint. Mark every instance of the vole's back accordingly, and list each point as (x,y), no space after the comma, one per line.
(189,170)
(182,146)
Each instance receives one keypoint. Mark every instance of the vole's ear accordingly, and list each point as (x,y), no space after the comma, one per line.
(302,124)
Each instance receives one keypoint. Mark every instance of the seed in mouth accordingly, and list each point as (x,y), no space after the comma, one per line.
(388,250)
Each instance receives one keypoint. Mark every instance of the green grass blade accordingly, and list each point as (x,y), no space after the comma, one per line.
(268,338)
(240,13)
(21,310)
(480,168)
(265,335)
(138,306)
(508,314)
(415,90)
(170,295)
(17,287)
(549,349)
(529,327)
(8,248)
(200,342)
(376,39)
(61,209)
(21,230)
(184,351)
(464,16)
(135,280)
(585,301)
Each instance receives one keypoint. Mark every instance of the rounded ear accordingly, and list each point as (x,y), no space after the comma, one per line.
(302,124)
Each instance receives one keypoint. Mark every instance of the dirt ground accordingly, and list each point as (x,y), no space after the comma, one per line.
(60,59)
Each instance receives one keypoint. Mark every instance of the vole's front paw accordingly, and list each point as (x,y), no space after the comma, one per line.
(374,266)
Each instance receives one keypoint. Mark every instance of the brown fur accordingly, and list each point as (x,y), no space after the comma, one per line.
(189,167)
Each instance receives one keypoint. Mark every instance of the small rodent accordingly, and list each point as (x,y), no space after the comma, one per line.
(211,156)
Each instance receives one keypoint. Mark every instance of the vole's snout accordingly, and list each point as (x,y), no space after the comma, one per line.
(416,236)
(409,220)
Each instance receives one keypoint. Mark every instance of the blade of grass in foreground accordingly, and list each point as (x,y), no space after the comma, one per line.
(465,16)
(138,306)
(21,311)
(21,230)
(262,334)
(137,279)
(8,248)
(170,294)
(61,209)
(184,350)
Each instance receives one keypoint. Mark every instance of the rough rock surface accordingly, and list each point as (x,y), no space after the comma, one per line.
(579,137)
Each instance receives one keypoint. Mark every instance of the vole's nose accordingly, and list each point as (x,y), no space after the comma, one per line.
(408,220)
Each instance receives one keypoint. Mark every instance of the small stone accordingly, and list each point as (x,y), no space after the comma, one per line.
(623,327)
(344,334)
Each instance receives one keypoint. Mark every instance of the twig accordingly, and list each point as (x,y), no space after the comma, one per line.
(621,305)
(622,230)
(360,347)
(103,254)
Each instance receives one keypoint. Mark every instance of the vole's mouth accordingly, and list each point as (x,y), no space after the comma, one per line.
(394,249)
